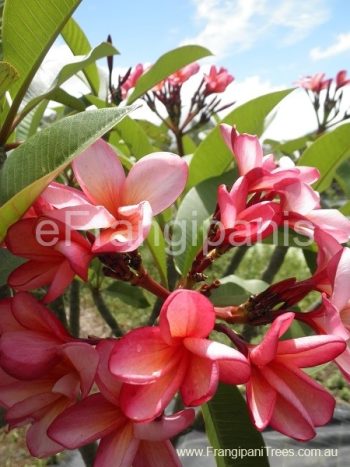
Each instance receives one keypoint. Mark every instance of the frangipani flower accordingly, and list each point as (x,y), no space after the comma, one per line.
(341,79)
(46,370)
(179,77)
(55,255)
(123,206)
(332,277)
(176,355)
(132,79)
(241,223)
(291,184)
(217,80)
(279,394)
(123,442)
(315,83)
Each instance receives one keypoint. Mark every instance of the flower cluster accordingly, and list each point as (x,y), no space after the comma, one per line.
(71,391)
(328,105)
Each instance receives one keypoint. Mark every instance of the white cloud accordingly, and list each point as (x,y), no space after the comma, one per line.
(341,45)
(235,25)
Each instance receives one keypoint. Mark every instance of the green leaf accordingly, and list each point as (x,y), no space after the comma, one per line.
(2,3)
(234,290)
(135,137)
(59,95)
(29,30)
(156,244)
(8,263)
(165,66)
(212,156)
(326,153)
(34,164)
(8,75)
(228,426)
(345,209)
(129,294)
(79,44)
(192,220)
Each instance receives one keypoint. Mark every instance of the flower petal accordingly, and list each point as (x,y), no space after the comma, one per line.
(246,148)
(318,403)
(331,221)
(266,351)
(146,402)
(158,178)
(165,427)
(32,275)
(27,354)
(118,449)
(142,356)
(261,399)
(200,382)
(186,313)
(63,277)
(108,384)
(290,422)
(231,358)
(310,350)
(156,454)
(33,315)
(38,441)
(84,422)
(100,175)
(84,359)
(133,226)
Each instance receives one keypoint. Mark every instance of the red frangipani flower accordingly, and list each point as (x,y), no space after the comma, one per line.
(123,442)
(279,394)
(156,362)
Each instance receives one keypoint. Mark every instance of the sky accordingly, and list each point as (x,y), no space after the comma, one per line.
(276,40)
(266,44)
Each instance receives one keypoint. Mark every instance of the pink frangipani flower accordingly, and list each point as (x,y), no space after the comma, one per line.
(299,203)
(43,370)
(217,80)
(55,254)
(179,77)
(156,362)
(132,79)
(315,83)
(123,442)
(341,79)
(279,394)
(122,206)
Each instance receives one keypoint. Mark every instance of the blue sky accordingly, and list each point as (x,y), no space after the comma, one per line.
(275,40)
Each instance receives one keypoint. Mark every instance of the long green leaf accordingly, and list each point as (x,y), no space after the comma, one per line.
(34,164)
(55,93)
(326,153)
(192,219)
(30,27)
(128,293)
(228,427)
(212,156)
(165,66)
(234,290)
(79,44)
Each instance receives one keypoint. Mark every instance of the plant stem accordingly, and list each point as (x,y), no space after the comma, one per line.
(105,312)
(145,281)
(179,142)
(275,263)
(58,308)
(74,308)
(155,311)
(236,260)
